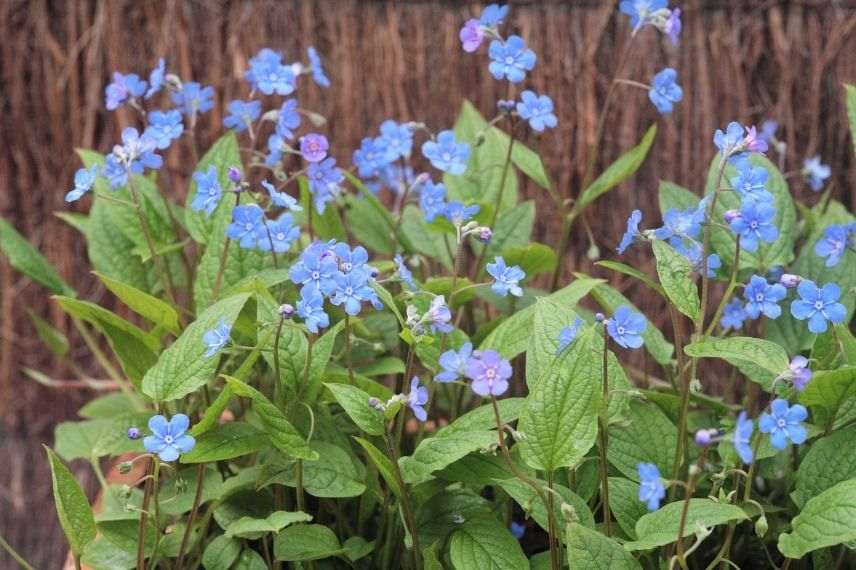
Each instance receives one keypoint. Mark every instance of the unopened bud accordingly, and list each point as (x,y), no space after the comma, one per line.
(422,179)
(376,404)
(761,526)
(484,235)
(235,174)
(317,119)
(569,513)
(599,317)
(703,437)
(694,470)
(286,311)
(593,252)
(789,280)
(731,215)
(505,105)
(133,433)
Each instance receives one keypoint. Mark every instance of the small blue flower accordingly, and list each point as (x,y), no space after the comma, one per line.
(194,99)
(446,154)
(310,308)
(651,489)
(511,59)
(818,305)
(281,199)
(216,338)
(276,146)
(763,298)
(288,119)
(278,235)
(156,78)
(632,231)
(325,181)
(506,279)
(372,156)
(114,172)
(398,139)
(84,180)
(439,315)
(538,110)
(755,222)
(679,224)
(208,191)
(742,438)
(122,88)
(493,15)
(751,182)
(489,372)
(665,91)
(164,127)
(432,200)
(242,114)
(169,439)
(626,327)
(457,213)
(815,173)
(313,147)
(641,11)
(784,423)
(317,68)
(351,290)
(268,74)
(733,315)
(517,530)
(246,222)
(350,260)
(315,269)
(417,398)
(729,141)
(768,131)
(454,363)
(833,244)
(799,372)
(136,153)
(568,334)
(404,272)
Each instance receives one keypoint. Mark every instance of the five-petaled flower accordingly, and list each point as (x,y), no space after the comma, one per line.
(632,232)
(310,308)
(278,235)
(733,315)
(317,68)
(538,110)
(84,180)
(742,438)
(208,191)
(784,423)
(506,279)
(417,398)
(169,439)
(815,173)
(799,372)
(454,363)
(818,305)
(216,338)
(489,373)
(651,488)
(511,59)
(123,88)
(763,298)
(756,222)
(242,114)
(665,91)
(447,154)
(834,243)
(626,327)
(313,147)
(246,222)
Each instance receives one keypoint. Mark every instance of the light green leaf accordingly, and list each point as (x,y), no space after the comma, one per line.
(629,445)
(533,258)
(293,346)
(550,318)
(435,453)
(676,276)
(425,239)
(618,171)
(825,520)
(619,267)
(355,402)
(327,225)
(673,196)
(306,542)
(226,441)
(253,528)
(382,463)
(483,542)
(829,461)
(333,475)
(832,395)
(590,549)
(96,438)
(26,259)
(322,350)
(525,496)
(78,221)
(661,527)
(512,229)
(222,154)
(482,418)
(851,111)
(625,504)
(55,340)
(357,547)
(212,414)
(72,507)
(760,360)
(147,306)
(183,367)
(221,553)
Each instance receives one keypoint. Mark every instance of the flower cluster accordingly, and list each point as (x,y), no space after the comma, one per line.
(487,370)
(653,13)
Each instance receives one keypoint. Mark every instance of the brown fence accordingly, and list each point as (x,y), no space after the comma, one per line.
(738,60)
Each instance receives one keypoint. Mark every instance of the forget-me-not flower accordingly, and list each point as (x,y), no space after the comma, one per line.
(216,338)
(281,199)
(247,220)
(279,234)
(784,423)
(314,269)
(208,191)
(815,173)
(665,91)
(156,78)
(672,27)
(458,213)
(417,398)
(404,272)
(755,223)
(651,489)
(493,15)
(325,180)
(432,200)
(122,88)
(818,305)
(506,279)
(288,119)
(538,110)
(269,75)
(763,298)
(169,439)
(439,315)
(317,68)
(489,373)
(310,307)
(164,127)
(194,99)
(632,232)
(799,372)
(454,363)
(626,327)
(742,438)
(733,315)
(447,154)
(471,35)
(833,244)
(372,156)
(510,59)
(242,114)
(313,147)
(398,139)
(84,180)
(751,182)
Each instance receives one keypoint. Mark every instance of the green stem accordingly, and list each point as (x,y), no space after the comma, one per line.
(732,285)
(164,274)
(690,489)
(603,435)
(197,500)
(278,379)
(348,350)
(409,518)
(144,508)
(224,257)
(684,378)
(20,559)
(156,497)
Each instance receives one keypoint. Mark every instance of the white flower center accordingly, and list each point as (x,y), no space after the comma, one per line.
(168,440)
(248,226)
(620,330)
(781,422)
(818,305)
(490,373)
(280,236)
(316,275)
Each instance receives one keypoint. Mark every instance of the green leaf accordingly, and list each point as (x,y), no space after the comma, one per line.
(525,496)
(673,196)
(293,346)
(55,340)
(425,239)
(212,414)
(760,360)
(629,445)
(550,318)
(832,395)
(618,171)
(533,258)
(825,520)
(306,542)
(222,154)
(625,504)
(78,221)
(633,272)
(676,276)
(483,542)
(560,416)
(661,527)
(96,438)
(368,229)
(357,547)
(221,553)
(333,475)
(851,111)
(512,229)
(327,225)
(282,434)
(183,367)
(253,528)
(590,549)
(226,441)
(435,453)
(322,350)
(26,259)
(382,463)
(355,402)
(72,507)
(147,306)
(829,461)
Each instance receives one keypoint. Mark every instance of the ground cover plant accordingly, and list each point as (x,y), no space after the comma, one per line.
(372,366)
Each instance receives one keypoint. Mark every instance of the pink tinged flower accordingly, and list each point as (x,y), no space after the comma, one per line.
(471,35)
(314,147)
(489,373)
(753,142)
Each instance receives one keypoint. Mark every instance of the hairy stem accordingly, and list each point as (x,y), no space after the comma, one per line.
(224,257)
(603,436)
(197,500)
(164,274)
(690,489)
(406,506)
(144,507)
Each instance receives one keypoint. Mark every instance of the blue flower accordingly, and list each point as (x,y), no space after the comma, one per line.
(288,119)
(194,98)
(493,15)
(815,173)
(568,334)
(755,222)
(799,372)
(506,279)
(246,222)
(818,305)
(310,308)
(751,182)
(768,131)
(114,172)
(136,153)
(208,191)
(317,69)
(276,146)
(626,327)
(489,372)
(169,439)
(278,235)
(651,489)
(439,315)
(632,231)
(352,260)
(454,363)
(268,74)
(538,110)
(351,290)
(432,200)
(84,180)
(733,315)
(417,398)
(763,298)
(164,127)
(315,269)
(743,437)
(372,156)
(446,154)
(122,88)
(242,114)
(404,272)
(729,141)
(679,224)
(325,181)
(457,213)
(156,78)
(833,244)
(313,147)
(511,59)
(216,338)
(281,199)
(517,530)
(672,27)
(665,91)
(784,423)
(398,139)
(641,11)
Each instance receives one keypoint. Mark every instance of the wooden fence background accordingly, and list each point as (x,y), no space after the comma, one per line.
(738,60)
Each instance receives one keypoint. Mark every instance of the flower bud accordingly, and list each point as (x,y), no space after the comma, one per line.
(702,437)
(789,280)
(133,433)
(593,252)
(761,526)
(235,174)
(376,404)
(286,311)
(569,513)
(599,317)
(731,215)
(505,105)
(694,470)
(421,179)
(484,235)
